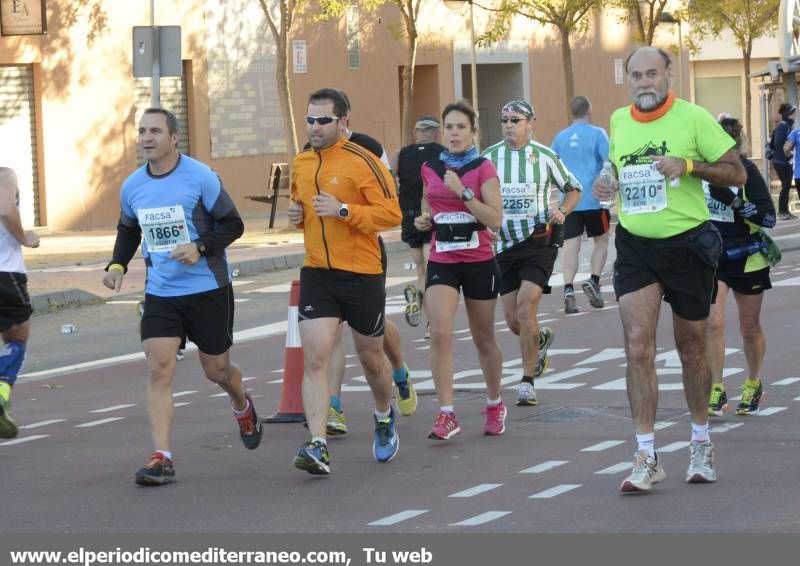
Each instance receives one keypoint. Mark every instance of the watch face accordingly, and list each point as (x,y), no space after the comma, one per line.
(343,212)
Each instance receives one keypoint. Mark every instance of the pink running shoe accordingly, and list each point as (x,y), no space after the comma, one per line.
(495,419)
(445,426)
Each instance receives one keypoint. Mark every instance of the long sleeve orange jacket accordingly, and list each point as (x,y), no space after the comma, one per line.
(359,179)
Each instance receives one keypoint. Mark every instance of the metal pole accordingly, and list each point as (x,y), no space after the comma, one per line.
(680,60)
(474,65)
(764,112)
(155,79)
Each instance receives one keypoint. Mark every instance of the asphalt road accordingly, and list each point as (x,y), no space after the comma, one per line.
(556,469)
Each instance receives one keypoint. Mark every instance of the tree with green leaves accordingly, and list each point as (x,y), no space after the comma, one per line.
(567,16)
(645,15)
(746,20)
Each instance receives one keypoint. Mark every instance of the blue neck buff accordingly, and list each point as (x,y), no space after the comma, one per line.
(458,160)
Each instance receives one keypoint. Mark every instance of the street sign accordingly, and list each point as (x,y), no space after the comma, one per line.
(166,45)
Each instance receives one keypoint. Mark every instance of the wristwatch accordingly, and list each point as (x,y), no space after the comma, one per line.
(467,195)
(201,247)
(563,210)
(344,211)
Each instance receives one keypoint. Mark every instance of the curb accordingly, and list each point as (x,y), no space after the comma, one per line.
(45,302)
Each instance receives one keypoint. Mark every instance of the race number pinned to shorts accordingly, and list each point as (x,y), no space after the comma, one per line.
(163,228)
(520,200)
(642,189)
(465,240)
(718,211)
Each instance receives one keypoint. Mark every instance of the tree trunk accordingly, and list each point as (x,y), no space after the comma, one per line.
(566,59)
(407,130)
(746,52)
(285,95)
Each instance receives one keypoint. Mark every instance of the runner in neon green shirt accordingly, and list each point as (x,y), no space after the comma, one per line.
(666,249)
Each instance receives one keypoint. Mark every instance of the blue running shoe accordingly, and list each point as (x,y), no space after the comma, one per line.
(386,440)
(313,457)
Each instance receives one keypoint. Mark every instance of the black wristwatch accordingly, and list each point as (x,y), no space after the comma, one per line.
(467,195)
(201,247)
(563,210)
(344,211)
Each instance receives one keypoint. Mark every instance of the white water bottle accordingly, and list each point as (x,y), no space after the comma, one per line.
(608,179)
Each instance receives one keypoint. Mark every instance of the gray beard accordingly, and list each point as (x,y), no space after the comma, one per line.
(648,101)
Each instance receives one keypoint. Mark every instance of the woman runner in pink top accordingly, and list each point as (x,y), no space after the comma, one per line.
(462,206)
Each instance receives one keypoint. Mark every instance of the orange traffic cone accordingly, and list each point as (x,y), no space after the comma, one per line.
(290,409)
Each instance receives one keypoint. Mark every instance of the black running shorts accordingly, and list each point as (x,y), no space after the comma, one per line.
(750,283)
(15,304)
(527,261)
(689,284)
(478,280)
(594,222)
(358,299)
(409,234)
(205,318)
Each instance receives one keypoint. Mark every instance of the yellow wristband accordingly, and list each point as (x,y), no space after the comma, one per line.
(116,267)
(689,165)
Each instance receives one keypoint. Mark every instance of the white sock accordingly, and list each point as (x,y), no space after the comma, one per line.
(166,453)
(647,443)
(447,409)
(320,439)
(700,432)
(494,402)
(382,416)
(243,411)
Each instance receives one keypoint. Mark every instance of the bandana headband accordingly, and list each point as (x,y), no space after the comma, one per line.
(519,107)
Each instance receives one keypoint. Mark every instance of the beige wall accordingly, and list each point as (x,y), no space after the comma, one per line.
(86,103)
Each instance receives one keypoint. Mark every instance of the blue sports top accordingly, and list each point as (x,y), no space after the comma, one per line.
(583,148)
(175,208)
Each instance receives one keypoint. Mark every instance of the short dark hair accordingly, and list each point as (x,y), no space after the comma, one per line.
(172,122)
(579,106)
(461,106)
(664,55)
(340,105)
(786,109)
(733,128)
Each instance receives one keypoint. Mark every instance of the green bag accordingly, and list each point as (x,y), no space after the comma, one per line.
(772,252)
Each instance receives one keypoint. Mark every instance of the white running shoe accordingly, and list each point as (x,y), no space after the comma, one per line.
(647,471)
(701,463)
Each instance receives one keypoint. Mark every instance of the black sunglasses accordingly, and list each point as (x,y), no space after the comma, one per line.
(321,120)
(512,120)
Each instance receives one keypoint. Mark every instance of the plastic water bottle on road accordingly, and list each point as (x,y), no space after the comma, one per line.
(608,179)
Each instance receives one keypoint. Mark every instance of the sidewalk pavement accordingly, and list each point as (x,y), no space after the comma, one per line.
(67,268)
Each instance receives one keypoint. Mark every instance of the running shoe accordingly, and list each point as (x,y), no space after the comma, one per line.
(313,457)
(751,397)
(428,331)
(406,395)
(546,336)
(592,291)
(526,395)
(701,462)
(647,471)
(158,471)
(444,427)
(495,424)
(337,423)
(570,306)
(386,442)
(786,216)
(717,402)
(413,305)
(249,425)
(8,428)
(179,355)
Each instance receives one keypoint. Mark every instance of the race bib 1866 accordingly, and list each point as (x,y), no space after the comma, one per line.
(642,189)
(163,228)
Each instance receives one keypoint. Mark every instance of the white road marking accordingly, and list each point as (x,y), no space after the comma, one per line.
(240,282)
(770,411)
(100,422)
(674,447)
(24,439)
(553,491)
(599,447)
(725,427)
(223,394)
(183,393)
(113,408)
(544,466)
(787,381)
(184,403)
(477,490)
(663,424)
(121,302)
(616,468)
(248,378)
(604,356)
(240,300)
(41,424)
(481,519)
(398,517)
(787,282)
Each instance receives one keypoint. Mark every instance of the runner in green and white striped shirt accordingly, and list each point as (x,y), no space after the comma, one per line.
(528,172)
